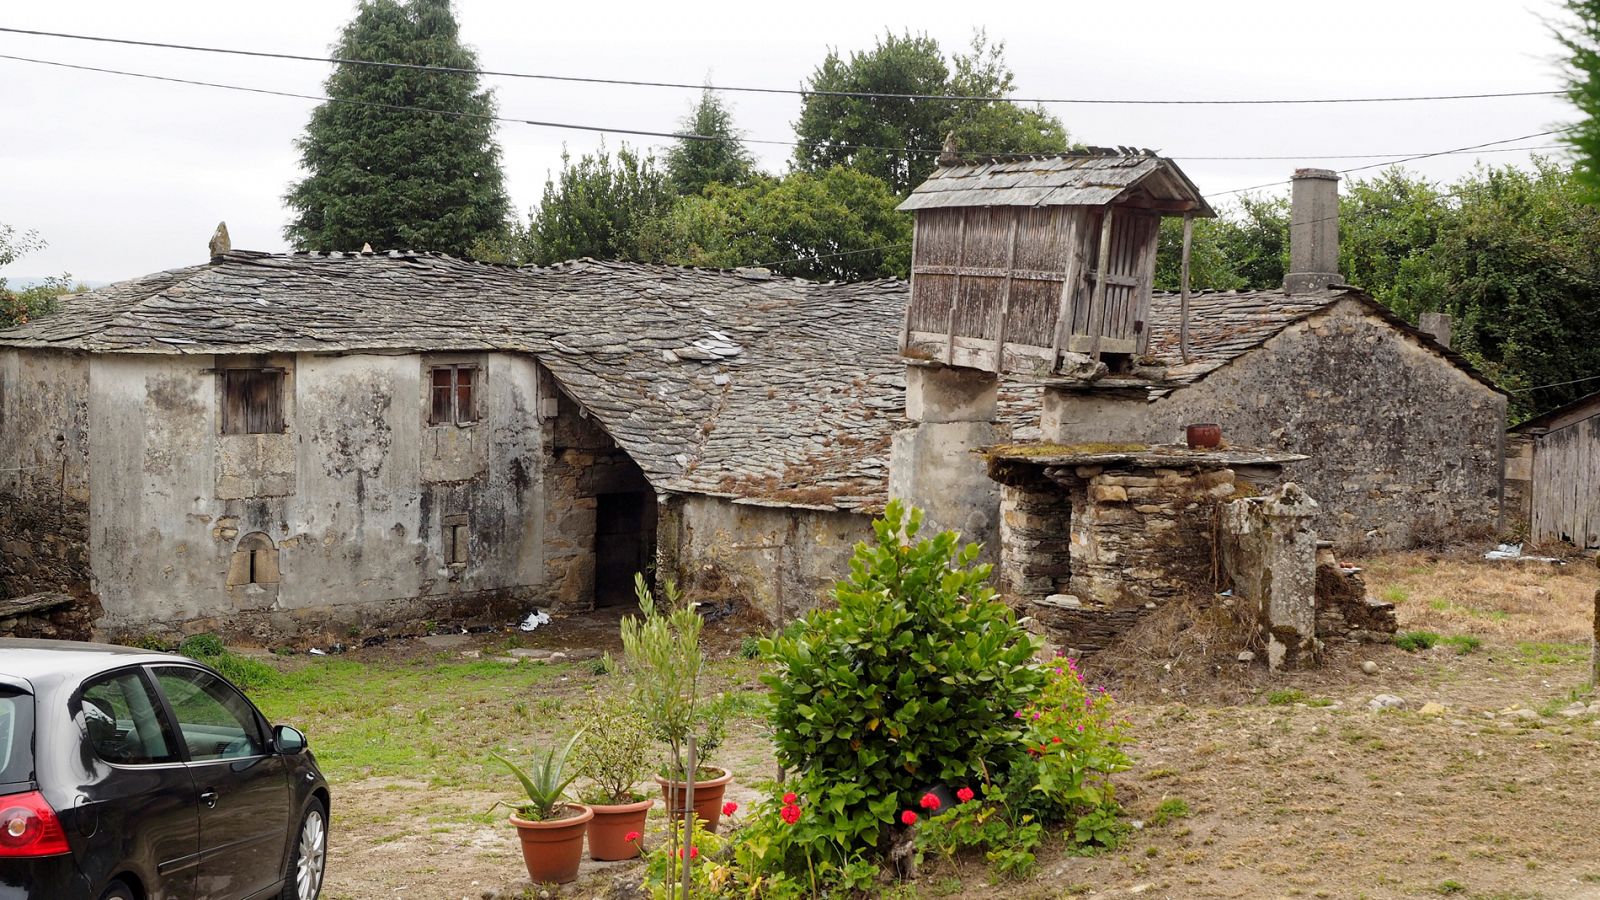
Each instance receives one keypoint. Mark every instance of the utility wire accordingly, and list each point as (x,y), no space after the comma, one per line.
(690,136)
(1541,387)
(869,95)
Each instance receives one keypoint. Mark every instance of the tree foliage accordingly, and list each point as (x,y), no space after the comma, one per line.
(396,178)
(694,164)
(20,306)
(897,139)
(1582,40)
(602,206)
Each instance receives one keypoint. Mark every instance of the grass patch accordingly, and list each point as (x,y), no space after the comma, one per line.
(1412,641)
(1463,643)
(250,675)
(1395,594)
(1550,653)
(1285,697)
(1170,810)
(1448,886)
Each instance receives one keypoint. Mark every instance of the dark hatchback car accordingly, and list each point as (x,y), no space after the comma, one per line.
(131,775)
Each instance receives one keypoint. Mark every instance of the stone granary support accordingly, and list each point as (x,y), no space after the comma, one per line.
(935,465)
(1270,554)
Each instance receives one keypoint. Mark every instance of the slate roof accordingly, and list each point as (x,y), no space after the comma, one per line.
(1090,178)
(741,385)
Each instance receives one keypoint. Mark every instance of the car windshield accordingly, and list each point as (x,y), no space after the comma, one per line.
(16,737)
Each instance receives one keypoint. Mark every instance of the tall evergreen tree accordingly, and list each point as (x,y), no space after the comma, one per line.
(1582,40)
(897,139)
(395,178)
(693,164)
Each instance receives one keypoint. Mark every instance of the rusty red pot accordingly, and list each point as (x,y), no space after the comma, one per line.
(1206,436)
(553,849)
(608,833)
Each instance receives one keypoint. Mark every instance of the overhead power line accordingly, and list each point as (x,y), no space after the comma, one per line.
(800,92)
(690,136)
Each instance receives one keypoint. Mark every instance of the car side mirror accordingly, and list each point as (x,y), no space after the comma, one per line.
(289,740)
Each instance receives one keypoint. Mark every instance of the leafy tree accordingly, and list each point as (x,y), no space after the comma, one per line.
(397,178)
(834,225)
(603,208)
(693,164)
(19,306)
(897,139)
(1582,41)
(1247,247)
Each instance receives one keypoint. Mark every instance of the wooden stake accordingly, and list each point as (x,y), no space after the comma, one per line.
(1594,645)
(689,818)
(1097,300)
(1183,295)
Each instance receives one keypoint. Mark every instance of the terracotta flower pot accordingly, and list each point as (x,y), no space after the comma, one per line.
(1204,436)
(609,831)
(553,849)
(707,797)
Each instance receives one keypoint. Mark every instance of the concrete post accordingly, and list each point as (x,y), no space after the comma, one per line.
(1313,231)
(1271,552)
(935,466)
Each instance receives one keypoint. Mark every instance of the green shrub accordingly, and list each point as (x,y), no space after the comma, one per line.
(1412,641)
(246,673)
(202,646)
(612,751)
(1100,829)
(1171,809)
(912,679)
(1074,740)
(750,647)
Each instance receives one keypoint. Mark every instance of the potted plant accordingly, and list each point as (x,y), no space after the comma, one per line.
(550,828)
(663,655)
(614,755)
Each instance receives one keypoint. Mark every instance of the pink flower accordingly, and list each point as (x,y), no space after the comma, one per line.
(729,809)
(631,836)
(1017,714)
(790,799)
(965,795)
(929,802)
(908,817)
(789,814)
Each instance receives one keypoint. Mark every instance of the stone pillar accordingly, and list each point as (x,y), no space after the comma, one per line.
(1035,543)
(1270,550)
(935,466)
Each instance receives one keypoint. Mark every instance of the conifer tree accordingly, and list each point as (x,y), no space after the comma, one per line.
(398,178)
(693,164)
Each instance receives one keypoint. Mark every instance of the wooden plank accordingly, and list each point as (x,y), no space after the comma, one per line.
(991,272)
(1097,300)
(905,327)
(955,295)
(1073,223)
(1183,294)
(1005,294)
(1139,317)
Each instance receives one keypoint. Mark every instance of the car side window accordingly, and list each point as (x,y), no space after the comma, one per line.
(124,720)
(214,720)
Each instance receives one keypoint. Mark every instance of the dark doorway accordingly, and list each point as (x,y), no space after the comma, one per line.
(624,543)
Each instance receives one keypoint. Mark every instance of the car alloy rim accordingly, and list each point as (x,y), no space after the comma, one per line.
(313,855)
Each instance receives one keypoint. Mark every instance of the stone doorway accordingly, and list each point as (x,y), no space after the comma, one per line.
(624,544)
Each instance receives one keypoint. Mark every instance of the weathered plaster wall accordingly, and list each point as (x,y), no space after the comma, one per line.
(44,474)
(1519,484)
(783,560)
(1405,447)
(358,518)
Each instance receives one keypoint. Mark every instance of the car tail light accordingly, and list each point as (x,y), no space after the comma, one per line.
(29,827)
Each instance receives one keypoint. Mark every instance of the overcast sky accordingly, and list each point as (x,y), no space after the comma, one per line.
(127,176)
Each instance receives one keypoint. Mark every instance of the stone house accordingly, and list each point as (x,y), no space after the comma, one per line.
(1553,474)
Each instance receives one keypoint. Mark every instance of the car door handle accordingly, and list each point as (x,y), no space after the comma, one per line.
(209,798)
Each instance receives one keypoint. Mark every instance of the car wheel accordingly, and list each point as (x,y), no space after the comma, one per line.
(309,860)
(118,891)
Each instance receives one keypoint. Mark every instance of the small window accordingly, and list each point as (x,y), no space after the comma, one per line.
(251,401)
(457,541)
(452,395)
(124,721)
(254,561)
(215,721)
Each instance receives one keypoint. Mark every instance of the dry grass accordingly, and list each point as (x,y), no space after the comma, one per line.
(1461,593)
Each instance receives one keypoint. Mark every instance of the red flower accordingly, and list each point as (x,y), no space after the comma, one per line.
(694,853)
(1055,740)
(790,799)
(908,817)
(729,809)
(790,814)
(965,795)
(631,836)
(929,801)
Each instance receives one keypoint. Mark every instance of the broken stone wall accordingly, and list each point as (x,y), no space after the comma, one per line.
(44,473)
(1405,446)
(783,560)
(359,520)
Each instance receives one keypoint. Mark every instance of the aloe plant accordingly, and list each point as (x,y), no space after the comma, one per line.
(545,780)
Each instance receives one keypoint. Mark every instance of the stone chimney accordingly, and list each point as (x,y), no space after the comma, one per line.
(1437,325)
(1313,232)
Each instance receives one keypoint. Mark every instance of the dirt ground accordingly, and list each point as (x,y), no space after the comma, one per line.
(1295,788)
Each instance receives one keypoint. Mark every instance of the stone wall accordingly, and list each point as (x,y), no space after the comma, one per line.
(358,499)
(44,473)
(1518,503)
(1405,446)
(783,560)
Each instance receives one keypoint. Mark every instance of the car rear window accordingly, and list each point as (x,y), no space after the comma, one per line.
(16,737)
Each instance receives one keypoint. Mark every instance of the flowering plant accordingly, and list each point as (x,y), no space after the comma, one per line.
(1074,736)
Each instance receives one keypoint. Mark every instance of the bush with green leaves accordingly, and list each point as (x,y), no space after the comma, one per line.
(1074,739)
(912,679)
(613,751)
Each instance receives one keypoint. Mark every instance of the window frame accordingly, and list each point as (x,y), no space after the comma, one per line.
(177,754)
(456,416)
(231,422)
